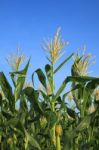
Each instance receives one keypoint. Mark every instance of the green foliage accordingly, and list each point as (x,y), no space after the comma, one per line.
(29,116)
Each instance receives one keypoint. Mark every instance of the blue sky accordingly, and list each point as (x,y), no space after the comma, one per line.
(25,23)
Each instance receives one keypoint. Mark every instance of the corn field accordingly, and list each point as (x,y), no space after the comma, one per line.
(40,118)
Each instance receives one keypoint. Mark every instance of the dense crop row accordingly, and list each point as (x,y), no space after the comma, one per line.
(43,120)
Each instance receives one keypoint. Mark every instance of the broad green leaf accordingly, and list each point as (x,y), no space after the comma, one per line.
(92,84)
(7,115)
(33,98)
(71,113)
(41,77)
(62,64)
(31,140)
(51,118)
(20,81)
(81,80)
(48,69)
(87,100)
(12,74)
(7,91)
(13,121)
(16,123)
(60,90)
(23,104)
(84,124)
(78,86)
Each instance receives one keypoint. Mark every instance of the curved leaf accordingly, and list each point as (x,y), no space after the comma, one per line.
(61,65)
(33,98)
(7,90)
(81,80)
(20,81)
(48,69)
(41,77)
(31,140)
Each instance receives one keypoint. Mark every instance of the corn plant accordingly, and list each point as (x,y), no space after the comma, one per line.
(40,118)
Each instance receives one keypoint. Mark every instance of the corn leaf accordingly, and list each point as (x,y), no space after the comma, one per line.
(48,69)
(20,81)
(32,141)
(7,90)
(62,64)
(41,77)
(74,79)
(33,98)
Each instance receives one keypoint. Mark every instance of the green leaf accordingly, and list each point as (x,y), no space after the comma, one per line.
(51,118)
(7,90)
(12,74)
(60,90)
(71,113)
(93,84)
(33,98)
(20,81)
(7,115)
(41,77)
(61,65)
(81,80)
(78,86)
(82,125)
(32,140)
(45,97)
(12,122)
(16,123)
(48,69)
